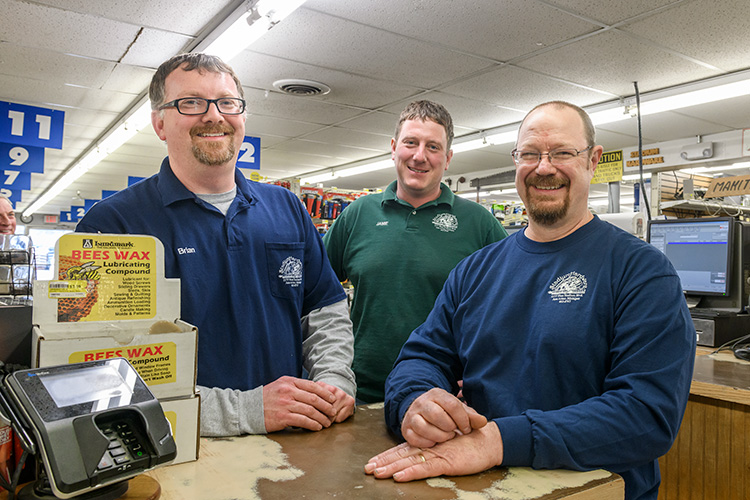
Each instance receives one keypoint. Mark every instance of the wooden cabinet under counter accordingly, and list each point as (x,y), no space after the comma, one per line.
(710,459)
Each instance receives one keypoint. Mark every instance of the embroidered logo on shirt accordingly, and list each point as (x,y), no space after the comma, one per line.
(446,222)
(184,250)
(382,223)
(290,272)
(568,288)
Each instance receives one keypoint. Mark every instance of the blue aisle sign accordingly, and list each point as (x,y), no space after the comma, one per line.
(14,180)
(249,153)
(14,195)
(66,217)
(133,179)
(77,213)
(21,158)
(31,126)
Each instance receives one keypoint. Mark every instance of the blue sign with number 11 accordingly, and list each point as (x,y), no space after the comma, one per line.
(31,126)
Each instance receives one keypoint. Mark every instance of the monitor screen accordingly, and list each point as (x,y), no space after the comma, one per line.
(699,249)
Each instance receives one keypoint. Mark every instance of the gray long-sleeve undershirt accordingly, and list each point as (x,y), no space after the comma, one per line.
(327,352)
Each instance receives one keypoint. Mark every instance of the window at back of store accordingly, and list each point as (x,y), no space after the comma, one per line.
(44,250)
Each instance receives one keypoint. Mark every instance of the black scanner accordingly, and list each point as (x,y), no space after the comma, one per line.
(94,424)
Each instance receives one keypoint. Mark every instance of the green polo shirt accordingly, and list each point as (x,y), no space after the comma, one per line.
(398,257)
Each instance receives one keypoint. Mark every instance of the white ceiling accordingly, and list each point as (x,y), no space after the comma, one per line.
(487,61)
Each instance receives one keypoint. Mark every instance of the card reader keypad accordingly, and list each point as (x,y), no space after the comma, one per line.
(125,447)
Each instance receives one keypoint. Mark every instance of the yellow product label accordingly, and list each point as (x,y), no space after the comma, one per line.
(119,272)
(172,419)
(65,289)
(155,363)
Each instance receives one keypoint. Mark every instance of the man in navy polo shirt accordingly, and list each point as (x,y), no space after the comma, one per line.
(254,274)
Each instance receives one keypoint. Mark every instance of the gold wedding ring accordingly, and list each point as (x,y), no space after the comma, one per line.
(422,457)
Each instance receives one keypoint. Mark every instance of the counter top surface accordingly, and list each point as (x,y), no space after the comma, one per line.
(721,376)
(329,464)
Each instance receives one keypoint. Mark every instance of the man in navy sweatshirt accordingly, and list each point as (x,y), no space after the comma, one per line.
(572,338)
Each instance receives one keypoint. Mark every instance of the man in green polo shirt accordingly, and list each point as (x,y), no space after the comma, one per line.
(398,247)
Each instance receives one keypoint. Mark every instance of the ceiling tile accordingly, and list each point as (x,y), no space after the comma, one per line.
(179,16)
(520,90)
(60,30)
(260,71)
(610,13)
(708,31)
(428,22)
(619,61)
(52,67)
(347,46)
(297,108)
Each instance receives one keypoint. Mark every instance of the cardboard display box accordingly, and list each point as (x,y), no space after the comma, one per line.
(165,361)
(111,299)
(184,417)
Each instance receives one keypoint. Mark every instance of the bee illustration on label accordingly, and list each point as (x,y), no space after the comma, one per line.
(87,271)
(75,309)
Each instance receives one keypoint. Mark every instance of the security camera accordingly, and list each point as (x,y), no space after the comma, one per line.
(699,151)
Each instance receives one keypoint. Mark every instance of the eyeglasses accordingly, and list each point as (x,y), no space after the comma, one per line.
(199,106)
(556,156)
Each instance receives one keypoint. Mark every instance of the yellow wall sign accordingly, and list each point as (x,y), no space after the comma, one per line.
(119,272)
(609,168)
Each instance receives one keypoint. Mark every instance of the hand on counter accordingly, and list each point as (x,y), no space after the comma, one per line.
(343,407)
(465,454)
(437,416)
(290,401)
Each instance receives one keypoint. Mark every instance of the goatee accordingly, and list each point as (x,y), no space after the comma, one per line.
(542,211)
(215,153)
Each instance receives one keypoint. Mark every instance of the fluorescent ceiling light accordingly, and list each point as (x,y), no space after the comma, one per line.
(706,170)
(503,138)
(702,96)
(636,177)
(263,16)
(491,140)
(469,145)
(131,125)
(347,172)
(508,191)
(609,116)
(474,195)
(628,200)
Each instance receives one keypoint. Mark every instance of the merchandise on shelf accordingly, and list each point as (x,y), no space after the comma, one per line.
(16,269)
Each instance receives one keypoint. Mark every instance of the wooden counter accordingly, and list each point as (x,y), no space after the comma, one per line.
(710,459)
(329,464)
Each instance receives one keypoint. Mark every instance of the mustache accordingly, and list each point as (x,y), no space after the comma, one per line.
(546,181)
(212,129)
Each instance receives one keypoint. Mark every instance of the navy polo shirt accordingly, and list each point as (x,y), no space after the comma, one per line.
(246,278)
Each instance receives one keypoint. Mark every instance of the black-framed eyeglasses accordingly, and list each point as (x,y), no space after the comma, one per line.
(199,105)
(556,156)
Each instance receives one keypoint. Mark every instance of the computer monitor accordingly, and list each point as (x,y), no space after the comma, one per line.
(709,256)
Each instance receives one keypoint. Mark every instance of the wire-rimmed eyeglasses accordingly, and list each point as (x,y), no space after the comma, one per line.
(199,105)
(556,156)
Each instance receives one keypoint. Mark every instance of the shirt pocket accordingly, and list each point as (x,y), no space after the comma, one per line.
(286,266)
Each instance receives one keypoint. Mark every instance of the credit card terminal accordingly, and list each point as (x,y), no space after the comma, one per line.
(95,423)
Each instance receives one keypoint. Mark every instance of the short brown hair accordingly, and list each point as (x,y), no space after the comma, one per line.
(427,110)
(188,62)
(588,125)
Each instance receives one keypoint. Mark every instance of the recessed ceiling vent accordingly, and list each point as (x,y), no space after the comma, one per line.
(301,87)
